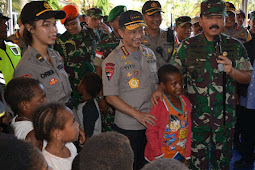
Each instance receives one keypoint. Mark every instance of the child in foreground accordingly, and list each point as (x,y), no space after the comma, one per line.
(55,123)
(24,96)
(171,136)
(88,111)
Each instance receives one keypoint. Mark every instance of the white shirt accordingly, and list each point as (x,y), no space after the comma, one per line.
(57,163)
(21,128)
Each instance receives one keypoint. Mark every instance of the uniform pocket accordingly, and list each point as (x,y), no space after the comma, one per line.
(196,70)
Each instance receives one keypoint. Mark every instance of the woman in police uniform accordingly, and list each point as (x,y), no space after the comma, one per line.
(39,61)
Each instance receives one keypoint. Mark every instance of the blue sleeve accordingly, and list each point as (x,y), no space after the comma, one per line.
(90,115)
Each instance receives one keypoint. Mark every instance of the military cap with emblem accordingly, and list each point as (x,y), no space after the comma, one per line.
(39,10)
(2,16)
(94,12)
(116,11)
(182,20)
(213,7)
(231,7)
(71,13)
(131,20)
(252,15)
(151,7)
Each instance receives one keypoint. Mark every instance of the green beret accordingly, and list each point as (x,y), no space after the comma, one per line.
(116,11)
(213,7)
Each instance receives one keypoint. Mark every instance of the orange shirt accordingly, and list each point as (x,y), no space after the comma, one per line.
(176,130)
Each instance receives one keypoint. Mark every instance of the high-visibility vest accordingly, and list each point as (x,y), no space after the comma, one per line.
(9,59)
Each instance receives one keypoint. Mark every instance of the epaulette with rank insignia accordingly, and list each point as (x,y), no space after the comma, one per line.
(142,48)
(39,57)
(124,50)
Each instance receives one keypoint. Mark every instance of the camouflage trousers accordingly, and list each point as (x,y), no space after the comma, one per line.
(211,150)
(108,119)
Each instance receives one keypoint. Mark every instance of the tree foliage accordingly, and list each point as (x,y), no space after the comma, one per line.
(103,5)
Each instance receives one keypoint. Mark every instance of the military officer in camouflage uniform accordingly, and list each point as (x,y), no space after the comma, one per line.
(94,20)
(182,29)
(129,78)
(159,41)
(104,48)
(212,129)
(232,28)
(77,46)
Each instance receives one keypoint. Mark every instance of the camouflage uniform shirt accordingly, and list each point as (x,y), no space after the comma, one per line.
(105,47)
(78,52)
(196,57)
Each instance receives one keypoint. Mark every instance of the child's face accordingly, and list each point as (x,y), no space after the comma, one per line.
(174,86)
(37,100)
(71,131)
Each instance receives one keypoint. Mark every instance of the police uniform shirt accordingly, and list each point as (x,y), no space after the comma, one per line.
(161,46)
(53,76)
(239,33)
(132,80)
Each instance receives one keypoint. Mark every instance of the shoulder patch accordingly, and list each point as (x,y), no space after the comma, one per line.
(142,48)
(124,50)
(39,57)
(109,70)
(15,50)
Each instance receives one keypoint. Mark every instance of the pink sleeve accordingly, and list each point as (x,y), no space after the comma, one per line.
(188,143)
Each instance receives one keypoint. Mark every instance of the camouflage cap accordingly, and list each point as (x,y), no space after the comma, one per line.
(94,12)
(151,7)
(195,20)
(213,7)
(182,20)
(231,7)
(116,11)
(131,20)
(252,15)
